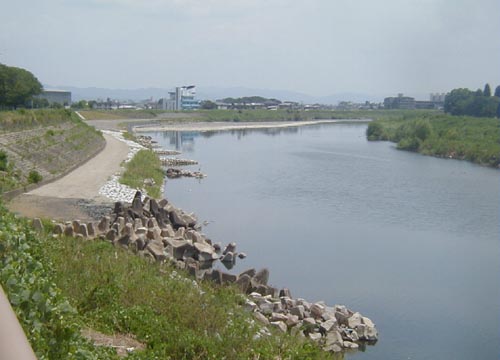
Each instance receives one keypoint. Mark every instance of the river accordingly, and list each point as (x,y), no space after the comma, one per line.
(408,240)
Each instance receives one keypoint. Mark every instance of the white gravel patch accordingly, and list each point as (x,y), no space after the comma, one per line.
(112,189)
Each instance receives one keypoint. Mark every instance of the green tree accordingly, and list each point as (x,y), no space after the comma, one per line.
(487,90)
(497,91)
(17,86)
(208,105)
(457,101)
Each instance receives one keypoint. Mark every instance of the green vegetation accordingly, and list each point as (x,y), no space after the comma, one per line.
(34,177)
(17,87)
(144,165)
(29,119)
(27,276)
(459,137)
(34,138)
(119,114)
(3,161)
(58,287)
(473,103)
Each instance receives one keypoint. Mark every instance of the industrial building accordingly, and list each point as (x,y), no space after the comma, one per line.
(61,97)
(183,98)
(399,102)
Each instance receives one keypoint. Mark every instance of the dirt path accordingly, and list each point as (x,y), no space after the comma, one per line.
(61,199)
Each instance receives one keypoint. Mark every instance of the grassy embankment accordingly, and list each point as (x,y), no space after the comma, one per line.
(144,165)
(459,137)
(41,144)
(60,286)
(118,114)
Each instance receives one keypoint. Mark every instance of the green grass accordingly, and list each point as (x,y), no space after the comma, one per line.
(28,119)
(460,137)
(118,114)
(144,165)
(60,286)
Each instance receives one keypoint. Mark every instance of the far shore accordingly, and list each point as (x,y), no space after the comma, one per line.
(222,126)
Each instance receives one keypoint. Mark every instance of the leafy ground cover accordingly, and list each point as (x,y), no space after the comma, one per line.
(459,137)
(60,286)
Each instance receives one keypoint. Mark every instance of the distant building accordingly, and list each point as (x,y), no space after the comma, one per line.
(183,98)
(438,100)
(61,97)
(399,102)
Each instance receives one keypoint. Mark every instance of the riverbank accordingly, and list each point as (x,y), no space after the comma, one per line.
(225,126)
(446,136)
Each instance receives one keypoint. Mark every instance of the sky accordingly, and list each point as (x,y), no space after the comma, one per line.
(317,47)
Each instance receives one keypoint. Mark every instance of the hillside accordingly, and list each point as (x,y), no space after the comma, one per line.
(40,145)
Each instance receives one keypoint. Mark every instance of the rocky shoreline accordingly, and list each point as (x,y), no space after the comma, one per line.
(160,232)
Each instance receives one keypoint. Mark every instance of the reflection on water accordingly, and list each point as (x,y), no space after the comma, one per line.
(185,140)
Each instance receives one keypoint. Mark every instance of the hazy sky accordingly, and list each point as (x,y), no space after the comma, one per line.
(319,47)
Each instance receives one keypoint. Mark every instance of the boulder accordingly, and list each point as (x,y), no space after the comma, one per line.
(228,278)
(156,248)
(179,247)
(111,235)
(83,230)
(91,228)
(333,338)
(76,226)
(228,258)
(317,310)
(260,318)
(243,282)
(179,218)
(59,229)
(242,255)
(261,277)
(298,310)
(250,272)
(292,320)
(38,225)
(216,276)
(104,224)
(350,345)
(354,320)
(285,293)
(231,247)
(69,231)
(278,317)
(315,336)
(328,325)
(279,325)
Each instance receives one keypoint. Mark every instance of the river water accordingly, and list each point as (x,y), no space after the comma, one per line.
(408,240)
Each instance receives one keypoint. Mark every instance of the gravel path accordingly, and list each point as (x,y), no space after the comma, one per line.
(85,181)
(76,195)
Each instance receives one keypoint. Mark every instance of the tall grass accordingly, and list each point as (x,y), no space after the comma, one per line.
(460,137)
(144,165)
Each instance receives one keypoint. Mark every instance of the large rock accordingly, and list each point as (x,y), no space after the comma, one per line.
(179,218)
(38,225)
(204,252)
(243,283)
(104,224)
(156,248)
(355,320)
(179,247)
(317,310)
(298,310)
(279,325)
(261,318)
(328,325)
(261,277)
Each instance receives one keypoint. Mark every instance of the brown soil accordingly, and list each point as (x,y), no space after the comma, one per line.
(123,344)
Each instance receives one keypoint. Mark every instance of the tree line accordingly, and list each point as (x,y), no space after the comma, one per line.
(477,103)
(17,87)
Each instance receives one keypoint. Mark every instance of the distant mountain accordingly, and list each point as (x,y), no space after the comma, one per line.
(212,93)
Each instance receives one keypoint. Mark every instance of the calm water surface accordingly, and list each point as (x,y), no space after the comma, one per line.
(408,240)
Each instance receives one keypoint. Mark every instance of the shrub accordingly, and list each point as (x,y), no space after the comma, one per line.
(34,177)
(3,161)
